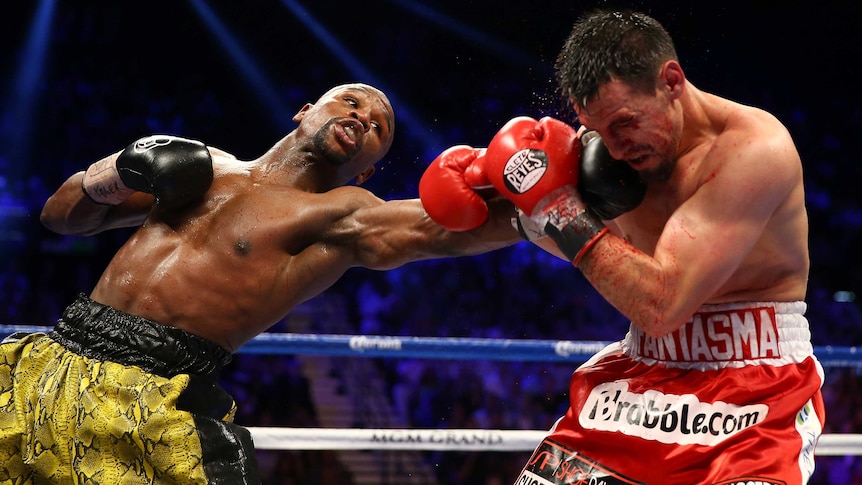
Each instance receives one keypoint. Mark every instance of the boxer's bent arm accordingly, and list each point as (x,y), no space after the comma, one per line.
(548,245)
(70,211)
(703,243)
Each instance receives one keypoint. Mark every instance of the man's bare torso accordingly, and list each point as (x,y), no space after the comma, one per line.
(230,267)
(776,267)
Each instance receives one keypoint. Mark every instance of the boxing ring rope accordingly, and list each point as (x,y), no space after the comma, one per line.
(454,348)
(454,440)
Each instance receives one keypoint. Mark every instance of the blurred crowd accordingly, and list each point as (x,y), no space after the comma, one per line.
(518,292)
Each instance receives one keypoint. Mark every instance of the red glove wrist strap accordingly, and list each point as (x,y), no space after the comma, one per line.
(589,245)
(579,235)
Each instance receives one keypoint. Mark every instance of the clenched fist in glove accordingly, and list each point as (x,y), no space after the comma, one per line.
(175,170)
(450,188)
(540,167)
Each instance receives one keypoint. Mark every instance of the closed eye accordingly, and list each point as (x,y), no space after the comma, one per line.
(624,122)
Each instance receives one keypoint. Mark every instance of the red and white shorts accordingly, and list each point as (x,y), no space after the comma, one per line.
(732,397)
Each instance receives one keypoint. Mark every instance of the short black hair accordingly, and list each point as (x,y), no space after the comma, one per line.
(611,44)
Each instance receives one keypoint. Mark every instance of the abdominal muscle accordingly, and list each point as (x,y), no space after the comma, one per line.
(207,289)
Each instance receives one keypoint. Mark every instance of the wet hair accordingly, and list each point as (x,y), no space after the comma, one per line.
(605,45)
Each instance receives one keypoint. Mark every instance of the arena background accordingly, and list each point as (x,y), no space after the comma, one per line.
(83,79)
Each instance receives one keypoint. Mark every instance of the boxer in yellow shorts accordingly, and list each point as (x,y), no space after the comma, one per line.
(223,249)
(111,398)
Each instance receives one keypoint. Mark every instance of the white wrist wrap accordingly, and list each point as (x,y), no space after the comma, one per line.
(102,183)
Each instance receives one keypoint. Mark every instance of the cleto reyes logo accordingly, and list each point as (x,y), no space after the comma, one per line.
(666,418)
(151,142)
(524,169)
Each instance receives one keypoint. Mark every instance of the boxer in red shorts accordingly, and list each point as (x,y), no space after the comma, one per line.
(687,408)
(705,250)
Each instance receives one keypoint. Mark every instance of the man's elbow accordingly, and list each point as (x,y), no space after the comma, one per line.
(656,331)
(658,325)
(62,224)
(50,221)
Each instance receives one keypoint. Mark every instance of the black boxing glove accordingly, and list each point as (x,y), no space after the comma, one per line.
(175,170)
(609,187)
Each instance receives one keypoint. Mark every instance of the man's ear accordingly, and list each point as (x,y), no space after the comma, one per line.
(365,175)
(673,78)
(301,113)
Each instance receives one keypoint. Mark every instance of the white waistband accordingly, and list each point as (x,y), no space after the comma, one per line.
(729,335)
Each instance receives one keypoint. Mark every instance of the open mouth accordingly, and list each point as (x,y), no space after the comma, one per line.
(349,132)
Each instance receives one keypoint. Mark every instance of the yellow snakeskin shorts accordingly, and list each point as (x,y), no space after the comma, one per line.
(68,418)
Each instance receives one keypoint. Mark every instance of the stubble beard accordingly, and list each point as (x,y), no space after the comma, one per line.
(660,173)
(663,172)
(323,145)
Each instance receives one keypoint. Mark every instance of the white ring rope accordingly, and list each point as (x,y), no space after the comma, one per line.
(454,440)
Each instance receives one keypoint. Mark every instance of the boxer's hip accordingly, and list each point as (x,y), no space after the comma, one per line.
(729,335)
(101,332)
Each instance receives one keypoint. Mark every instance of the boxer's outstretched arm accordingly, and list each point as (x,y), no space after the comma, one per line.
(384,235)
(402,232)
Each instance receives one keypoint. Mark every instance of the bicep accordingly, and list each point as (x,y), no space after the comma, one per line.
(709,236)
(698,254)
(393,233)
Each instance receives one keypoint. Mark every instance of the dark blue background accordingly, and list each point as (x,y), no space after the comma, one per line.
(456,71)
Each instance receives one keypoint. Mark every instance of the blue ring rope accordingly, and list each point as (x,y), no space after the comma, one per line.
(447,347)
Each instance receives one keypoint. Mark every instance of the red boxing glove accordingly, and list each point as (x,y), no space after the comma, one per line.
(529,160)
(450,188)
(535,164)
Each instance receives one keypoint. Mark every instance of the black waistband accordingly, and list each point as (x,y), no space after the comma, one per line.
(98,331)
